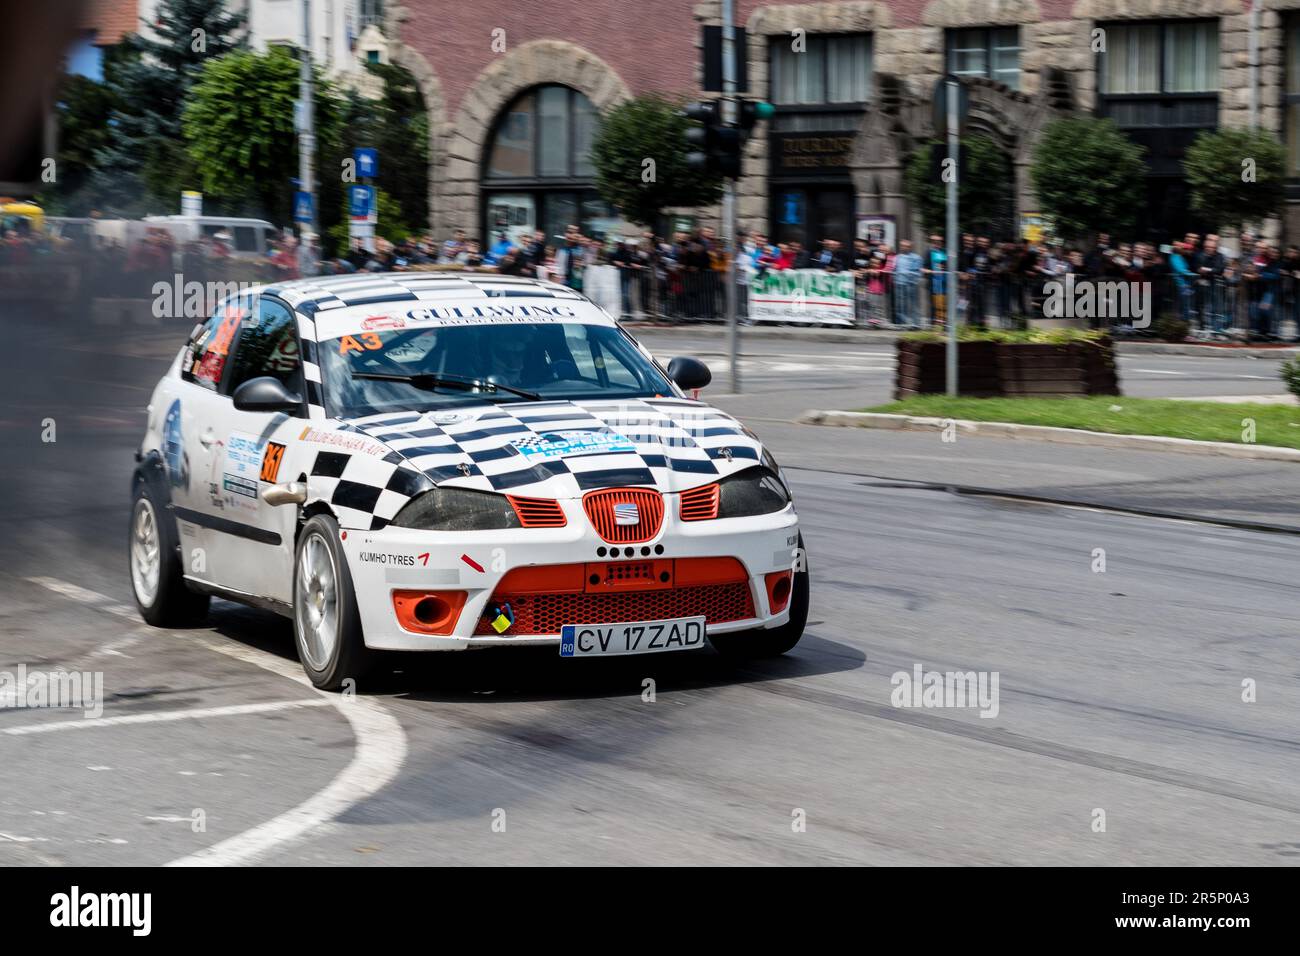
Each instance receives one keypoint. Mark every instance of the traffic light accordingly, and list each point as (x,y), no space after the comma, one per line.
(716,146)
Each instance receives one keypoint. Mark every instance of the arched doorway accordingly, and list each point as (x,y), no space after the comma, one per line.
(537,171)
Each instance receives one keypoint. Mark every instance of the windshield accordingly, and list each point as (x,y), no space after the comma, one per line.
(541,361)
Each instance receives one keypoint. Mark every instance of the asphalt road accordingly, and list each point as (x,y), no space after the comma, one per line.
(1118,690)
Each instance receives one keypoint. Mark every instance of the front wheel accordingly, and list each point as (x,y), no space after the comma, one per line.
(326,623)
(773,642)
(157,580)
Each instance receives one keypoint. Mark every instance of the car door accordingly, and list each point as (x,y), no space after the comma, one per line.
(251,548)
(192,444)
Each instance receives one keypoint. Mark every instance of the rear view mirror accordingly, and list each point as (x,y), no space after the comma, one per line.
(689,372)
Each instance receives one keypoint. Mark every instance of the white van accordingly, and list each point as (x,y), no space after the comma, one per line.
(249,237)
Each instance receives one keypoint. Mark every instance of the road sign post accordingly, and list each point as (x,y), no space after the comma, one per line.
(362,214)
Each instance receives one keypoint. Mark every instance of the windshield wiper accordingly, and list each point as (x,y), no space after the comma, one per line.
(428,381)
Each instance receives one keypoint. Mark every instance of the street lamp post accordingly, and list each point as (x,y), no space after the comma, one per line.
(307,120)
(954,151)
(729,117)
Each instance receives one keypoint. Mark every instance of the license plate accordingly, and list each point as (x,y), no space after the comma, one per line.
(642,637)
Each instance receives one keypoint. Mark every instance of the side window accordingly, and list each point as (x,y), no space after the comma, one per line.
(246,239)
(268,346)
(205,358)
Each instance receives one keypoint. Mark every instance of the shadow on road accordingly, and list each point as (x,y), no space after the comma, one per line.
(539,673)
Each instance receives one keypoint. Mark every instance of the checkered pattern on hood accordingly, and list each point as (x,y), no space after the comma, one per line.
(678,443)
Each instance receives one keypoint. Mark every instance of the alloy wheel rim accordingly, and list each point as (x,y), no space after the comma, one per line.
(146,552)
(316,602)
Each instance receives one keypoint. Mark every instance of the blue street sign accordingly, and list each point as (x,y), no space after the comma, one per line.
(361,201)
(302,206)
(367,161)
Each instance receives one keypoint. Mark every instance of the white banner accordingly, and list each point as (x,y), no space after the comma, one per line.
(601,285)
(802,295)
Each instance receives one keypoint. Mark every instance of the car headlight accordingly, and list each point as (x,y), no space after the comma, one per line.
(754,491)
(457,509)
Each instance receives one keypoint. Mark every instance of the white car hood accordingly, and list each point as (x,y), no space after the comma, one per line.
(564,449)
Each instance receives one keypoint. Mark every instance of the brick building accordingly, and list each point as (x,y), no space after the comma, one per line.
(514,92)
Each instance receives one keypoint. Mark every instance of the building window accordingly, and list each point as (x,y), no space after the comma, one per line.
(1155,58)
(992,52)
(544,134)
(372,13)
(829,70)
(538,173)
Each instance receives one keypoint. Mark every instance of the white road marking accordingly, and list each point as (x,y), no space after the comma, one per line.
(1156,371)
(102,601)
(159,717)
(380,752)
(114,648)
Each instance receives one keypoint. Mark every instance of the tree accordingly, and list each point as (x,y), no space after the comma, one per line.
(984,188)
(1236,176)
(239,127)
(1088,176)
(397,125)
(83,110)
(640,159)
(144,165)
(400,131)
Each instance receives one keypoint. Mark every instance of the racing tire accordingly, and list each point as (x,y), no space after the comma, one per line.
(775,641)
(154,555)
(326,623)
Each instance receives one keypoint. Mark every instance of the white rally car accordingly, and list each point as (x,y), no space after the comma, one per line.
(440,461)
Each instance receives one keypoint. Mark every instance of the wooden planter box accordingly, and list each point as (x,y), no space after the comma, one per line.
(997,370)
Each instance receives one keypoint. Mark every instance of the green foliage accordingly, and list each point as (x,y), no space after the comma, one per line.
(1219,182)
(144,165)
(397,125)
(83,109)
(982,192)
(239,126)
(1290,370)
(648,127)
(1116,415)
(1088,177)
(1171,328)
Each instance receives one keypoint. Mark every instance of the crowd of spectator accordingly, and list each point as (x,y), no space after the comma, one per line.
(1250,291)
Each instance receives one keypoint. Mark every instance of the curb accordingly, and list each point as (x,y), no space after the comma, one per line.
(1068,436)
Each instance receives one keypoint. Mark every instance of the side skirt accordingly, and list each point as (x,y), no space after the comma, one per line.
(283,608)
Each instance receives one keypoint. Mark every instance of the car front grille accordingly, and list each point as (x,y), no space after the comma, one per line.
(649,511)
(548,613)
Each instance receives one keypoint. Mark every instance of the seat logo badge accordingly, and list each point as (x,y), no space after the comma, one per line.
(627,514)
(726,453)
